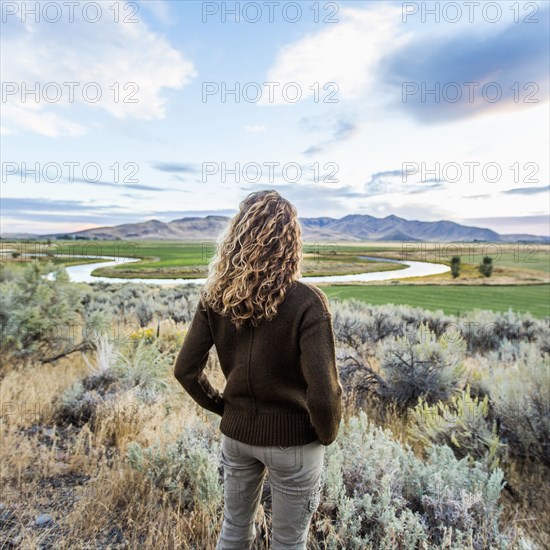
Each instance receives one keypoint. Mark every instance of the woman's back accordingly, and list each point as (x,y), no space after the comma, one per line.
(281,404)
(282,385)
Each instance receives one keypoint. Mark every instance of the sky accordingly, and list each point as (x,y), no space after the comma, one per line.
(121,112)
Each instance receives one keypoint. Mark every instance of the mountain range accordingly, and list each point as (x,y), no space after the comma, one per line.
(354,227)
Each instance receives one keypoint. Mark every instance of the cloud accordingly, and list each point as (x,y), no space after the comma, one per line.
(340,129)
(316,200)
(527,190)
(175,168)
(370,54)
(25,205)
(313,198)
(24,212)
(25,174)
(136,186)
(159,8)
(426,188)
(126,66)
(255,129)
(171,215)
(505,60)
(28,116)
(391,181)
(346,54)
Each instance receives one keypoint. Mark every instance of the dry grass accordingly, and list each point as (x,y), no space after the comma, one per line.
(80,475)
(526,500)
(27,393)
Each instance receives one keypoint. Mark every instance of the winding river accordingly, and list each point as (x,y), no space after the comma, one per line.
(83,273)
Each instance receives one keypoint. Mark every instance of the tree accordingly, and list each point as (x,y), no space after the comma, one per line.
(455,266)
(39,316)
(486,267)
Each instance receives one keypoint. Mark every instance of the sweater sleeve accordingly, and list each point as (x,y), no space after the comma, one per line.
(191,361)
(318,360)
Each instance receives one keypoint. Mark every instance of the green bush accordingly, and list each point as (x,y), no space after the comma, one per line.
(37,314)
(462,424)
(486,266)
(455,266)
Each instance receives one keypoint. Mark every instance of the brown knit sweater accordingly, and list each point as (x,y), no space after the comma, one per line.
(282,383)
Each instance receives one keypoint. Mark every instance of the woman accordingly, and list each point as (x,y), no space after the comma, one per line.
(281,405)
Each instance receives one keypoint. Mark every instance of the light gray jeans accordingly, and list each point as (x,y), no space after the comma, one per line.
(295,476)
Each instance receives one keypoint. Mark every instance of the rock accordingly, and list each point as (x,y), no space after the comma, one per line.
(43,520)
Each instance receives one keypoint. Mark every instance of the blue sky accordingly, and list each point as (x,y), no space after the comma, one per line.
(366,136)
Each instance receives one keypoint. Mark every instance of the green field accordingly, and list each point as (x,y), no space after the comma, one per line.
(170,255)
(520,277)
(173,259)
(452,299)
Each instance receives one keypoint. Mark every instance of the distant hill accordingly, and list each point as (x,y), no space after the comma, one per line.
(20,236)
(355,227)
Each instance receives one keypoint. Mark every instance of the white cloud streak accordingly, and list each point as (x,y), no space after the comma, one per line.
(347,53)
(115,57)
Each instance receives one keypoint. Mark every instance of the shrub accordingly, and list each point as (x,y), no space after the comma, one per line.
(455,266)
(188,470)
(461,424)
(171,336)
(139,366)
(145,310)
(76,406)
(81,402)
(106,355)
(484,330)
(383,497)
(421,365)
(144,365)
(143,302)
(459,501)
(486,266)
(359,325)
(520,397)
(181,310)
(37,312)
(509,351)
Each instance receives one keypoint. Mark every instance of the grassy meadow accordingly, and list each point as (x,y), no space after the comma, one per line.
(444,444)
(455,299)
(520,278)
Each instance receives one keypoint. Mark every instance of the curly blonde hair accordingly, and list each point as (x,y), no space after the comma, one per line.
(257,259)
